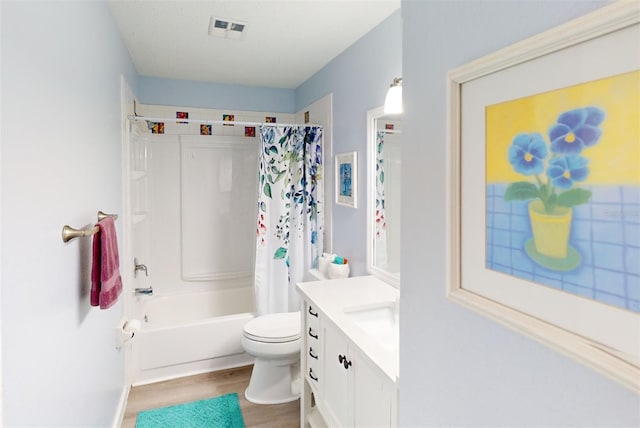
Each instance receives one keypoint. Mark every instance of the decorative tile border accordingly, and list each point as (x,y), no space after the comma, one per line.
(182,115)
(157,127)
(225,120)
(228,118)
(205,129)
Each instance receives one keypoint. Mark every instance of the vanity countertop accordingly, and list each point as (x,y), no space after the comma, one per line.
(337,299)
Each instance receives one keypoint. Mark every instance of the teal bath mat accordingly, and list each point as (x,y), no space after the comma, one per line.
(218,412)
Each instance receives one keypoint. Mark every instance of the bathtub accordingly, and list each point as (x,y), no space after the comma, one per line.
(191,333)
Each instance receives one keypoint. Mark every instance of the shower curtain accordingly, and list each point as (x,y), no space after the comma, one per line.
(290,218)
(381,225)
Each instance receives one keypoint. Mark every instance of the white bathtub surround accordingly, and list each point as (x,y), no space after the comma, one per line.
(217,188)
(171,174)
(290,214)
(202,212)
(190,218)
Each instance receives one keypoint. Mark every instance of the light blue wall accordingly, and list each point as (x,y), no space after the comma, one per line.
(458,368)
(61,163)
(358,78)
(154,90)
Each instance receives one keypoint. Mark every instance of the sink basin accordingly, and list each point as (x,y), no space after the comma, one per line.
(379,321)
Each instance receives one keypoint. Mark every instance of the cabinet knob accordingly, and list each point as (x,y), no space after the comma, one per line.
(343,360)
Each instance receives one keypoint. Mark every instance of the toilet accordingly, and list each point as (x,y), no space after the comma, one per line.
(274,341)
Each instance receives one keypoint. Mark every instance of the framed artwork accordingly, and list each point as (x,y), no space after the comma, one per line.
(347,179)
(544,189)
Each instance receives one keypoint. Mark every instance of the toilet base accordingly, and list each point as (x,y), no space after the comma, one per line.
(273,383)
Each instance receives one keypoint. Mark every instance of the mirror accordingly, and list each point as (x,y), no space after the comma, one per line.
(383,195)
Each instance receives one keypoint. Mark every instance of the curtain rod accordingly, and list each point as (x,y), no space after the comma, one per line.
(217,122)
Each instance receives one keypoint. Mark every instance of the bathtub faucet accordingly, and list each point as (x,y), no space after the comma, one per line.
(137,267)
(143,291)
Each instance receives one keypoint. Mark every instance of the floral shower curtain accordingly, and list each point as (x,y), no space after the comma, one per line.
(381,225)
(290,218)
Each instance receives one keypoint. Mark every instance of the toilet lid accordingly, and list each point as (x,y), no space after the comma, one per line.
(274,328)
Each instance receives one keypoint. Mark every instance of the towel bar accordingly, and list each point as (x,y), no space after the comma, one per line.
(69,233)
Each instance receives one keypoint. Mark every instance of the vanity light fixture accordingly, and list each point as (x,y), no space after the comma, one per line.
(393,100)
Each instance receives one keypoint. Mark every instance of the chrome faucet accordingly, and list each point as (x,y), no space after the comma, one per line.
(138,267)
(143,291)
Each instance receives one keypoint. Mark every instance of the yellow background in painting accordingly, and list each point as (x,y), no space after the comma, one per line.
(615,159)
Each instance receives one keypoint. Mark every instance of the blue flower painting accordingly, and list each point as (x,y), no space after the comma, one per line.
(563,189)
(345,179)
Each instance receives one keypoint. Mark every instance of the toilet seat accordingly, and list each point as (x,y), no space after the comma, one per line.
(274,328)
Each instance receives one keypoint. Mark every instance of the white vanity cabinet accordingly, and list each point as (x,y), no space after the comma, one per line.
(357,393)
(348,380)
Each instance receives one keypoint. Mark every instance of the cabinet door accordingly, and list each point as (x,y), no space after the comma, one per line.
(371,394)
(337,389)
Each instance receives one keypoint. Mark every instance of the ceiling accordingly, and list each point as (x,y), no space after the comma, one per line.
(284,42)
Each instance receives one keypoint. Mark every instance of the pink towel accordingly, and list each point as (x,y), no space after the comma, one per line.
(106,284)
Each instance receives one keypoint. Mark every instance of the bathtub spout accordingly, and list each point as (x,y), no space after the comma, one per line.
(143,291)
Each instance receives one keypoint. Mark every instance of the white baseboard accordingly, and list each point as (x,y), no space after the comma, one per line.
(122,406)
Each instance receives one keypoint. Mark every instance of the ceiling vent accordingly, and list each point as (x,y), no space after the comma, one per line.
(226,28)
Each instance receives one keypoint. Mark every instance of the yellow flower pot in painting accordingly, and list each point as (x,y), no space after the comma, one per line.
(550,231)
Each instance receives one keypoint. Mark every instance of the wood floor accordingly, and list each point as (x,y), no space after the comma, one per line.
(210,385)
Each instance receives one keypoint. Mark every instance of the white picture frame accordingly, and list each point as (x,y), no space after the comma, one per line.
(603,337)
(346,179)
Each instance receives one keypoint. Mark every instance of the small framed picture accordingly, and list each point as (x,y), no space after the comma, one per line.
(347,179)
